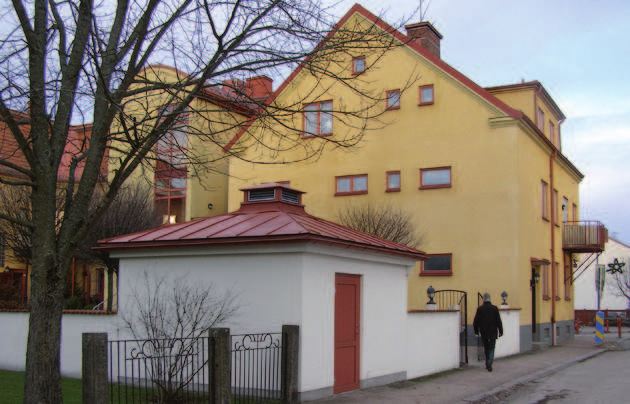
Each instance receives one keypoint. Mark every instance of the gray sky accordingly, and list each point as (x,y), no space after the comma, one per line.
(578,49)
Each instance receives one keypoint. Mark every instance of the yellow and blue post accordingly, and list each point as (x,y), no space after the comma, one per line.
(599,327)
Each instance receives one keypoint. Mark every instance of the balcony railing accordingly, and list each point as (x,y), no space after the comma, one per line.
(584,236)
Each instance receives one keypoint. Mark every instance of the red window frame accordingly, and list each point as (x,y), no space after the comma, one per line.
(544,281)
(319,112)
(425,272)
(552,133)
(352,179)
(389,174)
(541,120)
(389,99)
(420,102)
(554,206)
(544,190)
(556,280)
(436,186)
(568,275)
(355,70)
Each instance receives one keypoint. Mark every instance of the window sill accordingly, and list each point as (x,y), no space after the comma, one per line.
(350,193)
(546,298)
(423,187)
(393,190)
(567,299)
(308,136)
(546,219)
(392,108)
(422,104)
(436,273)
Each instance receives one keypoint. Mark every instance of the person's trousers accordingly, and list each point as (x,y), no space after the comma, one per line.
(488,349)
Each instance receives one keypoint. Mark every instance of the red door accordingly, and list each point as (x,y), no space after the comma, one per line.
(347,332)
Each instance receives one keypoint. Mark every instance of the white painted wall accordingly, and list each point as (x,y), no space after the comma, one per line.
(510,342)
(432,340)
(585,292)
(14,328)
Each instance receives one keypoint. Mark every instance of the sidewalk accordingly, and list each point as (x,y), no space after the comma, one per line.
(473,384)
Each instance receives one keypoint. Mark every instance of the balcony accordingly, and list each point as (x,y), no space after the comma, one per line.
(584,237)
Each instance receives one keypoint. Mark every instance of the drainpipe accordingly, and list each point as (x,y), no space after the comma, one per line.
(552,222)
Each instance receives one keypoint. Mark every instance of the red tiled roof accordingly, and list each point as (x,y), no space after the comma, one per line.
(260,223)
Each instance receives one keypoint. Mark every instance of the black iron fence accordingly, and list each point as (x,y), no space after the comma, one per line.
(241,368)
(456,300)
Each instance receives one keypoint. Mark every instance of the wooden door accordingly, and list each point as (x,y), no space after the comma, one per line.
(347,332)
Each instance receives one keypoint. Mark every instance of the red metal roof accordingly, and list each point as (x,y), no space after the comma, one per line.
(262,222)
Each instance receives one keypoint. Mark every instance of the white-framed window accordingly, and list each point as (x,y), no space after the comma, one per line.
(565,209)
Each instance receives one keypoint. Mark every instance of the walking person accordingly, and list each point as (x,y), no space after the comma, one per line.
(488,322)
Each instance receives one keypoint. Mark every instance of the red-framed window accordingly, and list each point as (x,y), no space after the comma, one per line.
(392,181)
(318,119)
(556,281)
(565,209)
(435,177)
(437,265)
(351,185)
(544,281)
(554,205)
(568,276)
(544,191)
(552,133)
(171,171)
(393,99)
(541,120)
(358,65)
(426,95)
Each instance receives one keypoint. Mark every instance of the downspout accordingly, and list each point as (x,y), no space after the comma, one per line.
(552,222)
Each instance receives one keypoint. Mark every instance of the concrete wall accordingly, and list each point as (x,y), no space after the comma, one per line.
(432,342)
(510,343)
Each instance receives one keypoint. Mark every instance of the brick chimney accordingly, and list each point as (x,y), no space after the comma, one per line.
(234,86)
(425,34)
(259,88)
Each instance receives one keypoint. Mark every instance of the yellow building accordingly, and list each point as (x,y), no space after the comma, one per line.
(481,170)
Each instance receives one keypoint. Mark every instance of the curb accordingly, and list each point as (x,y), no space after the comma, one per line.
(483,397)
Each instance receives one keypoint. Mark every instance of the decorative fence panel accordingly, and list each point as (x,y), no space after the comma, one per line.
(256,362)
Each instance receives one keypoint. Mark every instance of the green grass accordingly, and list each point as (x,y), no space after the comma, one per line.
(12,388)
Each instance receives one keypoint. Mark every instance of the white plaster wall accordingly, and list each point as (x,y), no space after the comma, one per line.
(15,330)
(585,292)
(432,340)
(383,313)
(510,342)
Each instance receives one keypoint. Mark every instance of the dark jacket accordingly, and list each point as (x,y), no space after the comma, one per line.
(488,321)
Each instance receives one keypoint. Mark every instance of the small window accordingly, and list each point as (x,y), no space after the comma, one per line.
(318,119)
(351,185)
(541,120)
(544,281)
(393,99)
(565,209)
(426,95)
(568,274)
(438,177)
(574,213)
(358,65)
(552,133)
(437,264)
(556,281)
(554,205)
(544,190)
(393,181)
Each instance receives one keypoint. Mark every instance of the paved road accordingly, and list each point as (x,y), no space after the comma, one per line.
(603,379)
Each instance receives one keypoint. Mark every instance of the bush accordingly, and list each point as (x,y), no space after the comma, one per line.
(73,303)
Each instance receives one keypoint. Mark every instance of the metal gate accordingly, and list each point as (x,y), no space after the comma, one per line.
(456,300)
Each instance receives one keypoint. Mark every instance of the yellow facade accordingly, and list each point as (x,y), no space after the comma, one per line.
(490,217)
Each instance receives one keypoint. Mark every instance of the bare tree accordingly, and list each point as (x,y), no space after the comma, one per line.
(168,320)
(64,64)
(383,221)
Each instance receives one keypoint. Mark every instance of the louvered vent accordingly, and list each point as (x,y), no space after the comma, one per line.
(290,196)
(257,195)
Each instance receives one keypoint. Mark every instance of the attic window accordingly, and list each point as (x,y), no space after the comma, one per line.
(258,195)
(290,196)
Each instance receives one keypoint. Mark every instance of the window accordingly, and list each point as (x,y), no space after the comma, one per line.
(552,133)
(3,242)
(358,65)
(426,95)
(541,120)
(574,213)
(392,179)
(393,99)
(351,185)
(171,171)
(565,209)
(318,119)
(567,277)
(554,205)
(437,264)
(437,177)
(544,190)
(556,281)
(544,281)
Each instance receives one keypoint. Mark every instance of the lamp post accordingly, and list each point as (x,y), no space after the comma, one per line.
(431,305)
